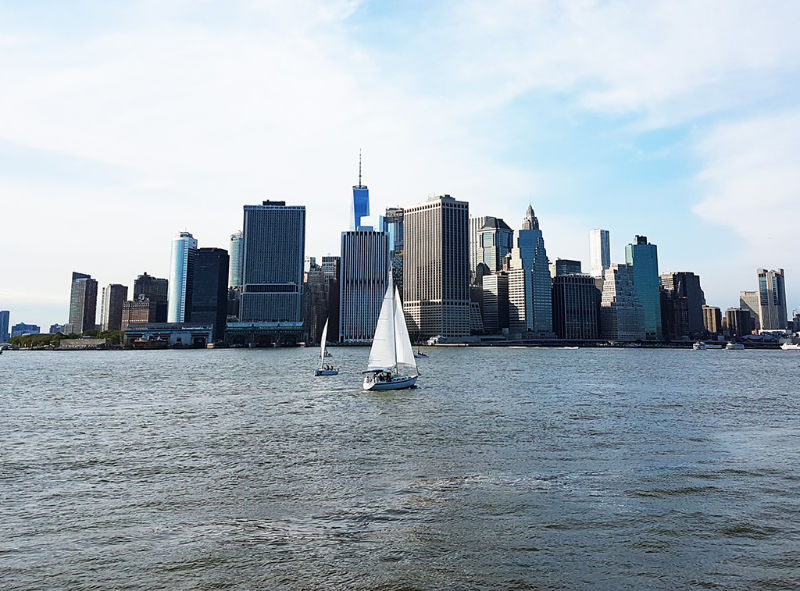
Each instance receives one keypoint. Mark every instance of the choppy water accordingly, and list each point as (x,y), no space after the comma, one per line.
(505,469)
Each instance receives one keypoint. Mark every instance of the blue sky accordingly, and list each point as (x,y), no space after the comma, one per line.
(125,123)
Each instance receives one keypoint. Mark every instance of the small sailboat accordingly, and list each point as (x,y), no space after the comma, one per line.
(420,355)
(325,369)
(391,363)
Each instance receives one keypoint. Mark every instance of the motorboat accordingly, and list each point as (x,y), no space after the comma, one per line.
(391,364)
(790,346)
(734,347)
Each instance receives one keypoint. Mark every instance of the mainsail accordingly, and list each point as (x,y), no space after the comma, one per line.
(383,354)
(323,344)
(405,354)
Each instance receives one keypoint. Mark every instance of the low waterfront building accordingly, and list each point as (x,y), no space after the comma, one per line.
(169,334)
(21,329)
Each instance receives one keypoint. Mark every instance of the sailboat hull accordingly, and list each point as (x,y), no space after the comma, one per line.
(395,383)
(326,372)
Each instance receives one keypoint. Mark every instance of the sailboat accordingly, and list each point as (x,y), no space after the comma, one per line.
(325,369)
(391,363)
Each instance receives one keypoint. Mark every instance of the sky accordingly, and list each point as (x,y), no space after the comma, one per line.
(124,123)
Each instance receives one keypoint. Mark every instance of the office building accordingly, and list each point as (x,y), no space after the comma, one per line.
(621,314)
(153,289)
(82,304)
(208,296)
(564,267)
(712,319)
(739,322)
(684,300)
(773,311)
(180,280)
(642,257)
(330,266)
(576,307)
(58,328)
(360,200)
(315,304)
(495,302)
(599,252)
(235,279)
(112,300)
(491,239)
(529,284)
(392,225)
(363,278)
(749,301)
(22,329)
(5,319)
(272,275)
(436,272)
(141,311)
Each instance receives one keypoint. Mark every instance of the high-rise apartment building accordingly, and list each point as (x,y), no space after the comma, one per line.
(621,314)
(436,272)
(599,252)
(5,320)
(773,311)
(82,304)
(491,239)
(576,307)
(235,279)
(642,257)
(208,296)
(529,284)
(180,280)
(684,301)
(272,275)
(712,319)
(564,267)
(363,277)
(112,300)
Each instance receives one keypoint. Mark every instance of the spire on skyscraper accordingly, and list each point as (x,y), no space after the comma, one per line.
(530,222)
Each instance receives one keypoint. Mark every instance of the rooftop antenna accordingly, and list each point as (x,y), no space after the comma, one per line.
(359,167)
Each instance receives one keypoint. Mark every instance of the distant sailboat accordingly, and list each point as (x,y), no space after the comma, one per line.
(391,359)
(325,369)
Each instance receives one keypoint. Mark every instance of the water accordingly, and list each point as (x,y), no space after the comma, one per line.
(505,469)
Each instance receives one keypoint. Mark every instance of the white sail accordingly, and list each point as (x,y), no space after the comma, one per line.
(405,354)
(323,344)
(383,355)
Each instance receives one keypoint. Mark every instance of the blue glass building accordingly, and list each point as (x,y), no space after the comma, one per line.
(643,258)
(360,200)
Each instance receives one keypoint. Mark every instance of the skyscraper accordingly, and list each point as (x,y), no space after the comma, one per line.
(235,279)
(621,314)
(114,296)
(363,276)
(564,267)
(151,290)
(208,297)
(683,291)
(739,322)
(642,257)
(491,239)
(495,302)
(529,283)
(272,275)
(392,224)
(749,301)
(82,303)
(5,319)
(360,199)
(712,319)
(436,271)
(599,252)
(180,268)
(576,307)
(773,310)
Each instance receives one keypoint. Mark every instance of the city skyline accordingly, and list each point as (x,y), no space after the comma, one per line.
(678,139)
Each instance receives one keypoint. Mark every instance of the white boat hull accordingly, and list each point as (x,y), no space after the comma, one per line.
(790,347)
(394,383)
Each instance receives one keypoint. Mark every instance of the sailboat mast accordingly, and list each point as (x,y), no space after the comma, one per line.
(394,328)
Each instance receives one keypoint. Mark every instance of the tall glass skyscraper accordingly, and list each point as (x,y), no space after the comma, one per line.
(4,321)
(209,294)
(363,274)
(272,274)
(599,252)
(642,257)
(360,199)
(114,296)
(183,249)
(82,303)
(530,288)
(773,310)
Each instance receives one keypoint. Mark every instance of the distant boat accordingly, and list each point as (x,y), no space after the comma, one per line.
(420,355)
(734,347)
(701,346)
(391,363)
(325,369)
(790,346)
